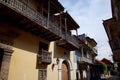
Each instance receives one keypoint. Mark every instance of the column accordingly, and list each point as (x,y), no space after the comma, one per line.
(59,74)
(65,28)
(82,51)
(81,74)
(5,64)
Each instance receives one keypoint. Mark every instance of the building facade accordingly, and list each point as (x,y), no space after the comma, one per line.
(113,31)
(84,58)
(35,40)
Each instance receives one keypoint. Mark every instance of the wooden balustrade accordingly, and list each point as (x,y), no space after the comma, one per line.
(44,56)
(84,60)
(73,40)
(34,15)
(31,13)
(95,50)
(115,45)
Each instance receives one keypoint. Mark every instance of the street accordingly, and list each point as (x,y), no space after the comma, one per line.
(114,78)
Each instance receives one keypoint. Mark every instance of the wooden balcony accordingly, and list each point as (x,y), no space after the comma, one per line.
(68,42)
(84,60)
(94,50)
(44,57)
(28,19)
(115,46)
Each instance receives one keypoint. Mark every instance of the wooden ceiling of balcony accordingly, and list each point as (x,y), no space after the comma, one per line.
(24,23)
(66,45)
(116,56)
(113,26)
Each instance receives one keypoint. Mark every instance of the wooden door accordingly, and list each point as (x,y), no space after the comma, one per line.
(65,71)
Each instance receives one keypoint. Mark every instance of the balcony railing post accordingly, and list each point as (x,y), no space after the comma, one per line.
(48,13)
(65,28)
(60,25)
(45,56)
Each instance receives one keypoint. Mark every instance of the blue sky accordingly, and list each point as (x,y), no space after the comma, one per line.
(89,15)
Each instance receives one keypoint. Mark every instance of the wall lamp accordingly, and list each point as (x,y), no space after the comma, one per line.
(57,62)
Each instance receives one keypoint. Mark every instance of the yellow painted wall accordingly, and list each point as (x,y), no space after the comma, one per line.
(73,65)
(23,60)
(24,57)
(56,52)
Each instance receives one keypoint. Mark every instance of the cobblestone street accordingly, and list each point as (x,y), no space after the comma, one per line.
(114,78)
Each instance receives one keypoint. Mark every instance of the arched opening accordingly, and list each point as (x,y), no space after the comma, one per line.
(65,71)
(64,62)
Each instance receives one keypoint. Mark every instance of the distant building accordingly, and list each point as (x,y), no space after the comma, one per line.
(107,62)
(84,58)
(112,27)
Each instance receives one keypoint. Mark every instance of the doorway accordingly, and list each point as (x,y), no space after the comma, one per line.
(65,71)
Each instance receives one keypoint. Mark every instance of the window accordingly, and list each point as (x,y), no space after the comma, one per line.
(42,74)
(43,46)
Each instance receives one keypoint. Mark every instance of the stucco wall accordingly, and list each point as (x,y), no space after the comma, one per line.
(24,57)
(73,59)
(57,52)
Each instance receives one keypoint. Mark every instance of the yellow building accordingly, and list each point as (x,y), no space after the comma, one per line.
(35,40)
(83,59)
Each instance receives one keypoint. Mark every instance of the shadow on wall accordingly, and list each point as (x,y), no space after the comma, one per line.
(60,52)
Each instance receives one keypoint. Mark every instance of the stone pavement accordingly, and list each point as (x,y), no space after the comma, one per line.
(114,78)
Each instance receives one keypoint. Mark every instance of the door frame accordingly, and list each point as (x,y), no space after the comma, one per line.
(61,60)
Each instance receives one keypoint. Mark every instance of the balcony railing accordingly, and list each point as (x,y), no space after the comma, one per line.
(31,13)
(73,40)
(115,45)
(94,50)
(44,57)
(34,15)
(84,60)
